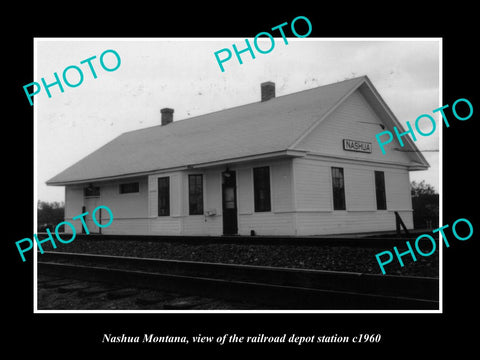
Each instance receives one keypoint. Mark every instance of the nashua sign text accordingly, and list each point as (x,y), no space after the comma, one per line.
(354,145)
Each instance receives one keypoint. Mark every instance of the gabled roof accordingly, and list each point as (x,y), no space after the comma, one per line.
(248,130)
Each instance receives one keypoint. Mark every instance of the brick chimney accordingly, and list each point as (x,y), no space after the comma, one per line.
(167,116)
(268,90)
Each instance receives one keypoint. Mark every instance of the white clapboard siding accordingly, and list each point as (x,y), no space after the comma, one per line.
(359,189)
(339,222)
(212,200)
(123,206)
(153,196)
(73,201)
(194,225)
(266,223)
(356,120)
(176,193)
(202,225)
(245,201)
(281,192)
(128,227)
(281,186)
(278,221)
(213,224)
(313,188)
(397,188)
(314,198)
(165,225)
(132,205)
(213,191)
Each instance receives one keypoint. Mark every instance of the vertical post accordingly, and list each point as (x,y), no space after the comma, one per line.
(83,212)
(100,221)
(399,222)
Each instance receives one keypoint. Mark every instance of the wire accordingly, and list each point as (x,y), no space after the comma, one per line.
(428,150)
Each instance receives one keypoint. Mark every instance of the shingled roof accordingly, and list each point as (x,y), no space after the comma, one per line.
(257,128)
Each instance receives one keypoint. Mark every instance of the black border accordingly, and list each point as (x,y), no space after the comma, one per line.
(408,334)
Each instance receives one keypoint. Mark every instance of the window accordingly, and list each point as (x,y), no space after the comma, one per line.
(380,190)
(261,188)
(338,184)
(128,188)
(195,194)
(91,191)
(164,196)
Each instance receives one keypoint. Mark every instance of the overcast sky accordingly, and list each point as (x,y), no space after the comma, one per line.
(183,74)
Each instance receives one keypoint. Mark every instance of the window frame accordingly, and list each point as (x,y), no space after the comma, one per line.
(129,184)
(380,189)
(262,205)
(164,211)
(96,194)
(195,207)
(338,204)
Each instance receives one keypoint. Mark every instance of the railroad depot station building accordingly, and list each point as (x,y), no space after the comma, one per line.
(306,163)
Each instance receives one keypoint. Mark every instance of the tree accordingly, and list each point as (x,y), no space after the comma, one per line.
(425,203)
(422,188)
(49,214)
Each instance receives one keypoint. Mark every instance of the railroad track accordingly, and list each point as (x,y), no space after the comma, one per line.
(286,288)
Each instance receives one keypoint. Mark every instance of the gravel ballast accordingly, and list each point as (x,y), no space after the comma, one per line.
(334,258)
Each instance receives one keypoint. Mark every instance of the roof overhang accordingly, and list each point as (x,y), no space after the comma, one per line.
(256,157)
(365,86)
(113,177)
(271,155)
(411,166)
(391,121)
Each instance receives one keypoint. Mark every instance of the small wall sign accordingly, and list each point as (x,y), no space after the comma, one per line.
(358,146)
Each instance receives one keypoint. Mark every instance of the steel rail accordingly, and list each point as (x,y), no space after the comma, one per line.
(285,287)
